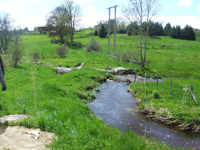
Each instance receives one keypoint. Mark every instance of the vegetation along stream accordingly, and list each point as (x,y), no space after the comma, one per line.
(118,108)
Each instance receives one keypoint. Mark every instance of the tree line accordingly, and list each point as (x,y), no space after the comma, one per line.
(155,29)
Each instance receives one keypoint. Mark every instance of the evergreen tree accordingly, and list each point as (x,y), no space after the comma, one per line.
(95,33)
(167,29)
(132,28)
(188,33)
(102,32)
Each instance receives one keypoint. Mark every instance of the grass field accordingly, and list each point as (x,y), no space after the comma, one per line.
(58,103)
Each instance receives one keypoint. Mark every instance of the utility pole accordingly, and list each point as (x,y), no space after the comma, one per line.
(109,32)
(114,31)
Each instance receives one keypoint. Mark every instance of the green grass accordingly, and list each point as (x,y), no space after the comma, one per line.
(58,103)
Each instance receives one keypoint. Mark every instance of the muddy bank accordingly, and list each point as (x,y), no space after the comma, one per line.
(118,108)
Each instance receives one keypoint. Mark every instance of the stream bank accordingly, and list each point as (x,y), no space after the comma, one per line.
(118,108)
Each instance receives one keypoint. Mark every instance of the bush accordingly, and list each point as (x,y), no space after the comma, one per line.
(15,50)
(53,40)
(62,51)
(126,55)
(155,94)
(36,56)
(93,46)
(79,45)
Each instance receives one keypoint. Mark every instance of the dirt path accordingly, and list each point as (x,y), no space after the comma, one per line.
(16,138)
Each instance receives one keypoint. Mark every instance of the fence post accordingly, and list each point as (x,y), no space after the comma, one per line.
(157,80)
(171,85)
(106,71)
(191,91)
(135,74)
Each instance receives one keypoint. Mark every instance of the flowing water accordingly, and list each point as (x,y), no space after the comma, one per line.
(118,108)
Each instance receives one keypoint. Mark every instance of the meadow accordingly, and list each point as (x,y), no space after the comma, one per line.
(58,103)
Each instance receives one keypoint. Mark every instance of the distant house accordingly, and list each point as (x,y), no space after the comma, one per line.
(43,29)
(97,27)
(197,30)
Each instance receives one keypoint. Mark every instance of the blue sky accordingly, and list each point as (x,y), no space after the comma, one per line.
(31,13)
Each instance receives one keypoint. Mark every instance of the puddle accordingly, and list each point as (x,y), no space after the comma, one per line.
(118,108)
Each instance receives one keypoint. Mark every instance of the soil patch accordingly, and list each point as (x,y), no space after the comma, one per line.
(21,138)
(16,138)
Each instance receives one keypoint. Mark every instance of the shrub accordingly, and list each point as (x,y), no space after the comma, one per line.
(93,46)
(53,40)
(36,56)
(126,55)
(15,50)
(62,51)
(79,45)
(155,94)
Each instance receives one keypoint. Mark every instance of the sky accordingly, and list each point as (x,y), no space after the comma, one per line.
(32,13)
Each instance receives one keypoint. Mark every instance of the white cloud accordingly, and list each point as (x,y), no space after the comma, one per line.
(182,21)
(92,20)
(9,7)
(28,1)
(169,6)
(92,8)
(31,22)
(184,3)
(199,7)
(83,1)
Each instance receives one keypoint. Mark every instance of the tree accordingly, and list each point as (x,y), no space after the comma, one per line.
(142,11)
(95,33)
(74,16)
(5,30)
(167,29)
(121,28)
(102,31)
(64,19)
(35,29)
(132,28)
(188,33)
(58,21)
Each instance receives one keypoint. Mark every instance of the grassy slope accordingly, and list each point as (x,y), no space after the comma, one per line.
(168,57)
(58,103)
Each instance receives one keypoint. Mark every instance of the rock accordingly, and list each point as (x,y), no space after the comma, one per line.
(121,71)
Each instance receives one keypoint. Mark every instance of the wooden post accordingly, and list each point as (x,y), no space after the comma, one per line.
(157,80)
(145,77)
(191,91)
(171,85)
(135,75)
(106,71)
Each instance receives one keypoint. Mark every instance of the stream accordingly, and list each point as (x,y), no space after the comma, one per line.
(118,108)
